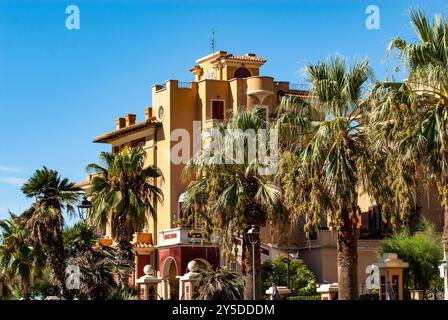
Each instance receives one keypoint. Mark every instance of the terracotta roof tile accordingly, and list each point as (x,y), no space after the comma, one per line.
(135,127)
(142,245)
(246,57)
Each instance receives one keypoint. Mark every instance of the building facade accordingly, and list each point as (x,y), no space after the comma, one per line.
(223,84)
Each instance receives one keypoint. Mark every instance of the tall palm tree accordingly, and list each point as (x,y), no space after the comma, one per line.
(18,259)
(413,115)
(45,218)
(322,173)
(124,192)
(229,194)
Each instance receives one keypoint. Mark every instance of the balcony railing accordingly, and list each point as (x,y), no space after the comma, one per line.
(182,235)
(372,234)
(184,85)
(298,86)
(160,87)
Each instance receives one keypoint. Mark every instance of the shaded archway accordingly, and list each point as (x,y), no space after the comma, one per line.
(242,72)
(170,290)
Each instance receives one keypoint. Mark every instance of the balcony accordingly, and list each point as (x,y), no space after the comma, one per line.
(260,87)
(182,235)
(160,87)
(184,85)
(105,241)
(142,242)
(142,237)
(368,238)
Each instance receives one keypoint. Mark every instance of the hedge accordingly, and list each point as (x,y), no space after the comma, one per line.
(315,297)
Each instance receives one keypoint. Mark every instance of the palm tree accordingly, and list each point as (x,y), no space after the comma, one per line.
(228,193)
(5,286)
(413,115)
(96,263)
(221,284)
(80,237)
(18,259)
(45,219)
(323,172)
(124,192)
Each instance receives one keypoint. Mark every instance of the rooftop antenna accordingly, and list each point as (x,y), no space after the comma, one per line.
(213,40)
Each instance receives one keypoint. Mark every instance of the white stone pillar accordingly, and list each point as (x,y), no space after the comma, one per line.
(148,282)
(181,289)
(164,288)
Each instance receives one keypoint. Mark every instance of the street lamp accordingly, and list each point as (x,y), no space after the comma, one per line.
(83,207)
(289,260)
(253,236)
(443,267)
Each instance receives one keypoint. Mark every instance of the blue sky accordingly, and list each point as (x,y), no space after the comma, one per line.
(59,88)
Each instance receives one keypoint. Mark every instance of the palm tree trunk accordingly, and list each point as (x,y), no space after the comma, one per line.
(56,260)
(26,287)
(347,243)
(125,256)
(248,269)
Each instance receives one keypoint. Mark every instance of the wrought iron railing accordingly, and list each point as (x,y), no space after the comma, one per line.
(298,86)
(160,87)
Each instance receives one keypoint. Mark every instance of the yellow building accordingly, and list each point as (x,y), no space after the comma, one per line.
(223,84)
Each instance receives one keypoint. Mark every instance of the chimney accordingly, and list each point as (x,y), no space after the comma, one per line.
(120,123)
(130,119)
(148,113)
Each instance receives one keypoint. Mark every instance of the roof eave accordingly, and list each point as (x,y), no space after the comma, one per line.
(109,136)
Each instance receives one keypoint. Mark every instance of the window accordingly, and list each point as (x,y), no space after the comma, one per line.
(218,109)
(117,149)
(138,142)
(242,73)
(184,216)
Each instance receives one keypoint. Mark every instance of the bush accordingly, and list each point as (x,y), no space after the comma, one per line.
(121,294)
(221,284)
(303,282)
(422,250)
(369,296)
(313,297)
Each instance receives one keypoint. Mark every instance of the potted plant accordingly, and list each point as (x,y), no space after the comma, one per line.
(183,222)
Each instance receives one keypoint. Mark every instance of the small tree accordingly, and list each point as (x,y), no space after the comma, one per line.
(423,251)
(302,279)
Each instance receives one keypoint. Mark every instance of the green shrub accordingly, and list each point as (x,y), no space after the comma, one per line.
(369,296)
(303,282)
(313,297)
(423,251)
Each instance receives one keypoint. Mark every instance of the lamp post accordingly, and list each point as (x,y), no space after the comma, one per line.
(83,207)
(253,236)
(289,261)
(444,273)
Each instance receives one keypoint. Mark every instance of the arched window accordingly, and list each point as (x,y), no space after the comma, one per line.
(242,72)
